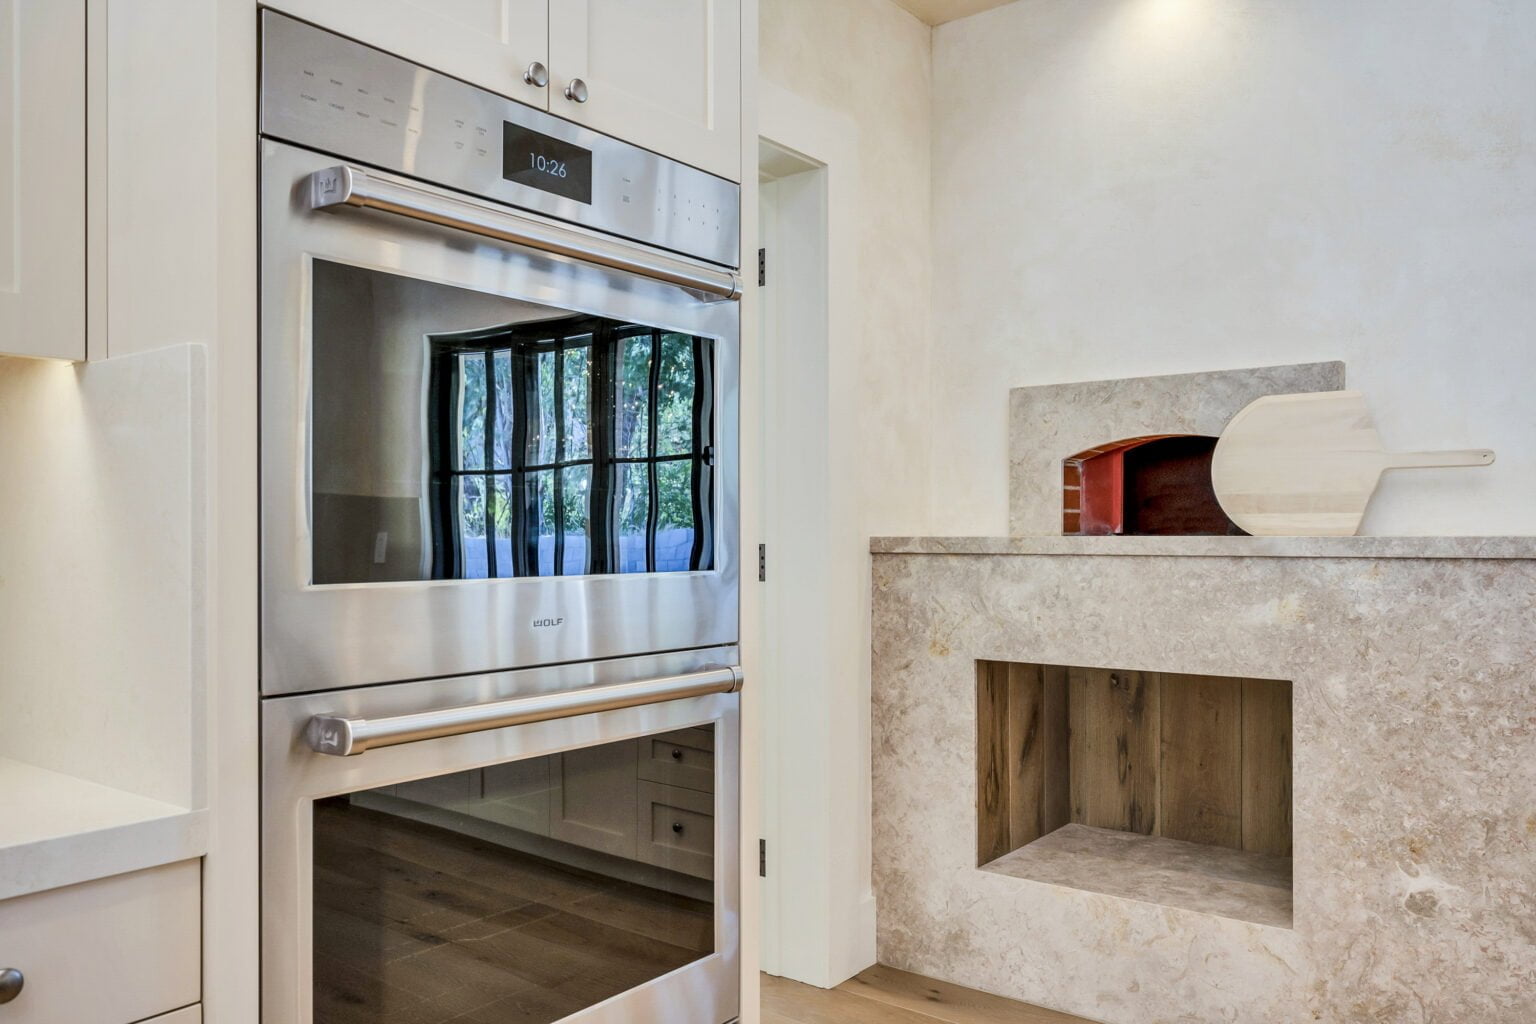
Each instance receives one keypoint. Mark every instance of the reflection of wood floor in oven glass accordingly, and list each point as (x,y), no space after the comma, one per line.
(416,924)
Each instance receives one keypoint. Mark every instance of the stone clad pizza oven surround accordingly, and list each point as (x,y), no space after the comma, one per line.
(1150,886)
(1054,425)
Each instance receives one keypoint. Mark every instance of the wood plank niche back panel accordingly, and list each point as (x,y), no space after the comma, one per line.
(1204,759)
(1021,755)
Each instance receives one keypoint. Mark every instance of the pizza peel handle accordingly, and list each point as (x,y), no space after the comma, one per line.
(1440,460)
(1307,465)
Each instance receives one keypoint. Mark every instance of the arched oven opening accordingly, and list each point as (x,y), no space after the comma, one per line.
(1157,485)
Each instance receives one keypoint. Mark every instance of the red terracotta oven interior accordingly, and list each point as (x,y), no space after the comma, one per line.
(1158,485)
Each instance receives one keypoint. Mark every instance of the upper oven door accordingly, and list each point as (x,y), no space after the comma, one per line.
(478,455)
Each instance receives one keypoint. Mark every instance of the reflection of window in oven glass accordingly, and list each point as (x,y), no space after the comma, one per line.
(572,446)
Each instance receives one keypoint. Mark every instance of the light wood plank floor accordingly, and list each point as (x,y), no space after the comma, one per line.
(884,995)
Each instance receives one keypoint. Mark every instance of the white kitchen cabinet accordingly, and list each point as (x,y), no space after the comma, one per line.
(454,792)
(592,798)
(185,1015)
(42,178)
(664,74)
(488,42)
(650,799)
(113,951)
(516,794)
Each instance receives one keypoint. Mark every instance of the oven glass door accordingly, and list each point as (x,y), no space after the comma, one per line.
(585,872)
(523,891)
(479,457)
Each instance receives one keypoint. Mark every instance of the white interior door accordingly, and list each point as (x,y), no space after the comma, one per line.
(663,74)
(798,492)
(488,42)
(42,178)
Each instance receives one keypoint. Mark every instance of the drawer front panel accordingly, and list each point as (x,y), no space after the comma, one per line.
(112,951)
(677,829)
(684,758)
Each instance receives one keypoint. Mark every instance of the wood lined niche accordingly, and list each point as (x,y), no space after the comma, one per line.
(1202,759)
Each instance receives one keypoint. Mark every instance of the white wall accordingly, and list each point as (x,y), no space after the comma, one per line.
(1126,187)
(868,61)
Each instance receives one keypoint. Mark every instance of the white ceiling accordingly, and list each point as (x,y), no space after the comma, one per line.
(936,12)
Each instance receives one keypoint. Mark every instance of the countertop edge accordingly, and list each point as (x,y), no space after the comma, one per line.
(1492,548)
(88,856)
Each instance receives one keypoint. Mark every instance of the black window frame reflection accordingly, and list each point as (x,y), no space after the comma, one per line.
(605,341)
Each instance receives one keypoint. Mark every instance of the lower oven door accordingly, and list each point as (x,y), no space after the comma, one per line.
(580,868)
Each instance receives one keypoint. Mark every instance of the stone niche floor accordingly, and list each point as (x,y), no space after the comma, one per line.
(1238,884)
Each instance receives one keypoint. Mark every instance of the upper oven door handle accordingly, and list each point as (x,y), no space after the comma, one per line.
(346,185)
(342,737)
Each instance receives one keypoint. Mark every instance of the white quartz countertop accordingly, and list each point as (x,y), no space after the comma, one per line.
(58,830)
(1216,547)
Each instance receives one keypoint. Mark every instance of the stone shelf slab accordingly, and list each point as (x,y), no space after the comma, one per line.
(1244,886)
(1216,547)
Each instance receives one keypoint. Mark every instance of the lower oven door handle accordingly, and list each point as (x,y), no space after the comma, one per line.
(345,185)
(343,737)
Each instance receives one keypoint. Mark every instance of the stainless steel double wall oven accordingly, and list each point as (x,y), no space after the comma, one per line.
(499,557)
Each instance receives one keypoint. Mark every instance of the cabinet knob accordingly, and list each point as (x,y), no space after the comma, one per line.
(576,92)
(677,827)
(677,755)
(536,75)
(11,982)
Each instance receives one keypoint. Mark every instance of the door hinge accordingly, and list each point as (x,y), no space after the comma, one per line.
(762,858)
(762,267)
(762,563)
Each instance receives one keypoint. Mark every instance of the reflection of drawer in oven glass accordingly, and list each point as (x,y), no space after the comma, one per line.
(648,800)
(683,758)
(677,829)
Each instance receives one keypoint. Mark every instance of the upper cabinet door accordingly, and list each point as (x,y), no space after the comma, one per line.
(663,74)
(492,43)
(42,178)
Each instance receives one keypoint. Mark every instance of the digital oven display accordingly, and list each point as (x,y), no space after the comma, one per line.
(547,164)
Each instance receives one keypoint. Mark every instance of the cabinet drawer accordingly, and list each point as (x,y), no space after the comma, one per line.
(683,758)
(677,829)
(113,951)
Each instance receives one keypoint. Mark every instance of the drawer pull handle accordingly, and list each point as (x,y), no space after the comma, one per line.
(677,755)
(11,981)
(677,827)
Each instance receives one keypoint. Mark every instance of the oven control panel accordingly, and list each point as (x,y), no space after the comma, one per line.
(330,93)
